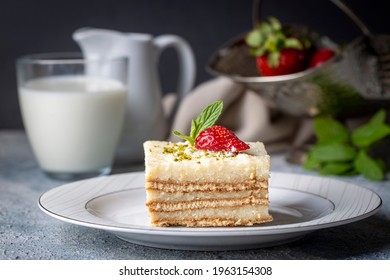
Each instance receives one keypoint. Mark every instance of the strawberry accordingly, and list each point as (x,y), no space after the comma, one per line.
(290,61)
(207,136)
(218,138)
(276,52)
(320,56)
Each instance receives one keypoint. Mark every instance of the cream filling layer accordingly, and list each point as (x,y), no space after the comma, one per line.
(198,204)
(172,187)
(256,213)
(154,196)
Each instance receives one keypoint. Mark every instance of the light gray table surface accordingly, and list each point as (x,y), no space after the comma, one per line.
(29,234)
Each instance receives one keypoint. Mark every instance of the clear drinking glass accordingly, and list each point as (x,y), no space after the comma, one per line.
(73,111)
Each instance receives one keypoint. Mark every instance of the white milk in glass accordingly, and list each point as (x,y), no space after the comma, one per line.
(73,122)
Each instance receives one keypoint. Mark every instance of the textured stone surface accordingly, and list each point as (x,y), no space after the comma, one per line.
(27,233)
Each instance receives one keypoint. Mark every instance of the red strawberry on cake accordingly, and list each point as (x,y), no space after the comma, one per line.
(218,138)
(211,179)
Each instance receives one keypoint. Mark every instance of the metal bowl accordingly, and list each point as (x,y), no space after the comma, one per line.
(352,83)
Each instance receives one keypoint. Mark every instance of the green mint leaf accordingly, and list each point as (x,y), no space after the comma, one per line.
(330,131)
(311,163)
(194,127)
(339,152)
(367,135)
(185,137)
(336,168)
(206,118)
(333,152)
(376,129)
(381,164)
(378,118)
(369,167)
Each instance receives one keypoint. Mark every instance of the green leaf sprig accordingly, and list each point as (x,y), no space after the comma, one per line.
(205,119)
(341,152)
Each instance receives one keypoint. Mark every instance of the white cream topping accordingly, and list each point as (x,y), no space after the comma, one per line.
(184,151)
(178,162)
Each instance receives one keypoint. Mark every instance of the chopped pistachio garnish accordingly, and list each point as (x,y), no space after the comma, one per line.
(185,151)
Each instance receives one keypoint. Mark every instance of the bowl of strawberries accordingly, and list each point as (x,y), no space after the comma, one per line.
(301,72)
(282,50)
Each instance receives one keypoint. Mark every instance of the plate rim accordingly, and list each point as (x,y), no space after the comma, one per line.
(210,231)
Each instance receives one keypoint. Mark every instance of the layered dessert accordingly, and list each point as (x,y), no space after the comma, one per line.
(214,180)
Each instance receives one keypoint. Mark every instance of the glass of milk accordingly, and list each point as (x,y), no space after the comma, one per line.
(73,111)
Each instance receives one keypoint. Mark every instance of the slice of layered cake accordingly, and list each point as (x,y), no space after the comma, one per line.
(211,179)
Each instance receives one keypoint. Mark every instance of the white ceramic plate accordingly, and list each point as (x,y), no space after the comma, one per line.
(299,204)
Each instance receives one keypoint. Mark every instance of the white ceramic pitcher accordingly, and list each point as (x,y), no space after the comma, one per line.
(145,117)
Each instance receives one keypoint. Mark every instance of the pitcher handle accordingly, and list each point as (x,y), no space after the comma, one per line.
(187,70)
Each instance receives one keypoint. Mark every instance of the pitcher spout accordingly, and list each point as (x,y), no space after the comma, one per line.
(98,43)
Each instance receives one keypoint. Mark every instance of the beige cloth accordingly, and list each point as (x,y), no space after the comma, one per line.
(245,112)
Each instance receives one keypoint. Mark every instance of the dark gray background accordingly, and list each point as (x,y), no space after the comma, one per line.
(46,26)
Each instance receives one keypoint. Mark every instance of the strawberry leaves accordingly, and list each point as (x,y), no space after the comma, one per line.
(205,119)
(270,39)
